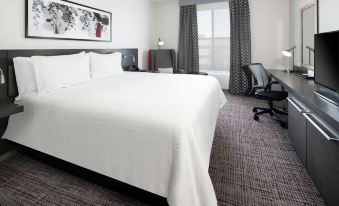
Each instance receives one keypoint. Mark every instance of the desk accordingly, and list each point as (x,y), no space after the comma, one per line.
(304,89)
(314,132)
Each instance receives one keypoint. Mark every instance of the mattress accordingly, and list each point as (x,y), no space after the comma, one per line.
(152,131)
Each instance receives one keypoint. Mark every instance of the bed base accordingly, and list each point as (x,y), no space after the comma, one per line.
(96,178)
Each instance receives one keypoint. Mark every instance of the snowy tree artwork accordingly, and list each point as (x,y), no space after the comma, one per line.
(67,20)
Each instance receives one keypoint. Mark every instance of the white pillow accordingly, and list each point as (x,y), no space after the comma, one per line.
(56,72)
(105,65)
(166,70)
(25,76)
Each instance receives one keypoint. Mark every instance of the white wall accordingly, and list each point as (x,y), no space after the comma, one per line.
(328,15)
(269,25)
(270,32)
(132,22)
(167,24)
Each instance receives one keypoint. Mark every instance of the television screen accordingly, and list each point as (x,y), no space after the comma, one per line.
(326,60)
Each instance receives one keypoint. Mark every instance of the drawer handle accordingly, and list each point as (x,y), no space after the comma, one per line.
(319,129)
(290,100)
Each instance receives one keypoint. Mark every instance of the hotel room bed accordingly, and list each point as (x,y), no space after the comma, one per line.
(152,131)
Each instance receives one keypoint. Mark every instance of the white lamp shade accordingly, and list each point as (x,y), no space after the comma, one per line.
(287,53)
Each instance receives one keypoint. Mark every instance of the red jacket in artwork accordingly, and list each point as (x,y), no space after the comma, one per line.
(99,29)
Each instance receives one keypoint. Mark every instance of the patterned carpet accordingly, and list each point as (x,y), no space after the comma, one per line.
(252,163)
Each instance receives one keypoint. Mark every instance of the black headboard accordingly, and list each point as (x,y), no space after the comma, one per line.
(9,90)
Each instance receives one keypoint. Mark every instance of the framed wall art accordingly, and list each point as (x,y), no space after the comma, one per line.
(61,19)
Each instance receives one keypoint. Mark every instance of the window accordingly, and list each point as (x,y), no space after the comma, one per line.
(214,36)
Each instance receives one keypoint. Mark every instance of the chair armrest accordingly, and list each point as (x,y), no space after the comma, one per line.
(255,88)
(269,85)
(272,82)
(259,87)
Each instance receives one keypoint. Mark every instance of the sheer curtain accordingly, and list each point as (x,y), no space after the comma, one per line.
(214,40)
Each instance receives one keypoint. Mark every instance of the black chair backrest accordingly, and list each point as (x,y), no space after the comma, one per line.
(162,58)
(259,73)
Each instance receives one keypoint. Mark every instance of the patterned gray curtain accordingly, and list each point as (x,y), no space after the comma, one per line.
(188,51)
(240,82)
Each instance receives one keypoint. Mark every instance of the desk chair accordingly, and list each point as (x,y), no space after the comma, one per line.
(163,58)
(262,90)
(166,58)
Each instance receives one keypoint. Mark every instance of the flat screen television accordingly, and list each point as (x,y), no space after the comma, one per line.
(326,60)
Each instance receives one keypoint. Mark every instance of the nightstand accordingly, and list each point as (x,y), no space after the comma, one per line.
(7,109)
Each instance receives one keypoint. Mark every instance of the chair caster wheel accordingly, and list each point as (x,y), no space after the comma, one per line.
(256,118)
(255,110)
(271,114)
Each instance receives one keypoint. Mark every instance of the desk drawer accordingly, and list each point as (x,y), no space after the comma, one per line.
(323,157)
(297,127)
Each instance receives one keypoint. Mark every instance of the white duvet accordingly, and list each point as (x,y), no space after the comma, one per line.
(152,131)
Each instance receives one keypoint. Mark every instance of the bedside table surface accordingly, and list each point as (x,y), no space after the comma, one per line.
(7,109)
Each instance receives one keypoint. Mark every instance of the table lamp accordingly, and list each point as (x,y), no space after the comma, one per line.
(160,43)
(290,53)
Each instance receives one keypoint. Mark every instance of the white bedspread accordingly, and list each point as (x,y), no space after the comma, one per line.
(152,131)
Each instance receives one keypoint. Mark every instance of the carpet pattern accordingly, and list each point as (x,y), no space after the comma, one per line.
(252,163)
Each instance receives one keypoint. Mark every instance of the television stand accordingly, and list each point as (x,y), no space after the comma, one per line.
(329,96)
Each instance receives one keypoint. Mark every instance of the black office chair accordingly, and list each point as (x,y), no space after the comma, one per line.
(262,90)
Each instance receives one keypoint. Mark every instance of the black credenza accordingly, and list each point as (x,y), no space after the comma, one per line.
(313,129)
